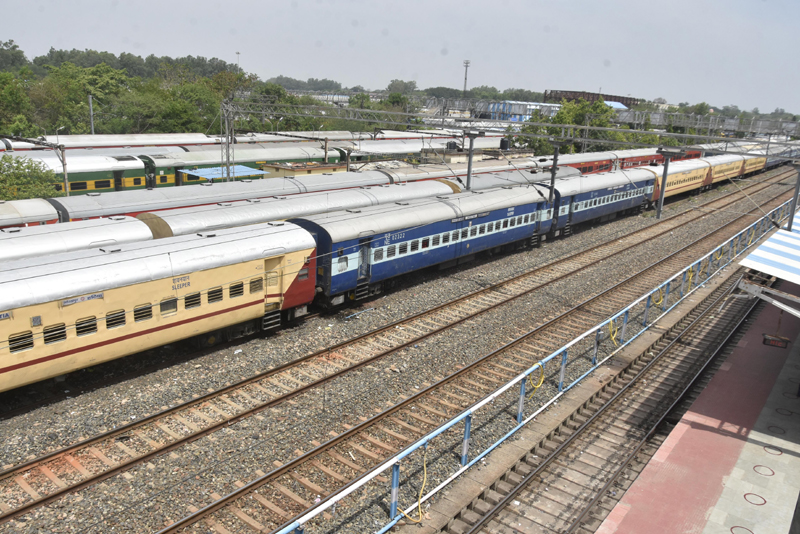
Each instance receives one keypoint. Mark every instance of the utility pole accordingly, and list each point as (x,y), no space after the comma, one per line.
(466,69)
(553,171)
(667,154)
(64,165)
(91,113)
(472,136)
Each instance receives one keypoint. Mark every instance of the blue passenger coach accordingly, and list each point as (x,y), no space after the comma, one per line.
(358,250)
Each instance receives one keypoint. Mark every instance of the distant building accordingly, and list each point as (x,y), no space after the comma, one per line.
(515,111)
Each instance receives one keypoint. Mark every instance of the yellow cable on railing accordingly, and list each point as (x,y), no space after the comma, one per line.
(613,331)
(536,386)
(752,235)
(422,489)
(660,297)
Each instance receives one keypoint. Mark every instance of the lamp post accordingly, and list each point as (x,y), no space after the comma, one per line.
(668,154)
(472,135)
(466,69)
(796,165)
(271,126)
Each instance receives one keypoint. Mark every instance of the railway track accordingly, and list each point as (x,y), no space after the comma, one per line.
(289,490)
(28,486)
(571,480)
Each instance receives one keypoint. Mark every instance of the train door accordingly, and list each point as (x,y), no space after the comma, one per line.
(363,259)
(274,283)
(119,184)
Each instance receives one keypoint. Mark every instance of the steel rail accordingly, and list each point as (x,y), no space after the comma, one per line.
(509,497)
(300,460)
(126,465)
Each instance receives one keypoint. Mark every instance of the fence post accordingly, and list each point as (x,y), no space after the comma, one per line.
(596,346)
(646,309)
(563,370)
(465,444)
(395,490)
(521,406)
(624,326)
(666,296)
(300,529)
(683,282)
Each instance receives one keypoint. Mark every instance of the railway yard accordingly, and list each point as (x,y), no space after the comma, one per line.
(551,340)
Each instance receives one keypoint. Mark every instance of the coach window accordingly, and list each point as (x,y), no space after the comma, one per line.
(102,184)
(505,223)
(390,250)
(55,333)
(143,312)
(86,326)
(169,306)
(236,290)
(214,295)
(191,301)
(403,248)
(137,181)
(513,222)
(342,264)
(435,241)
(482,229)
(77,186)
(426,242)
(415,245)
(454,236)
(20,342)
(272,278)
(445,238)
(302,274)
(163,179)
(377,254)
(256,285)
(115,319)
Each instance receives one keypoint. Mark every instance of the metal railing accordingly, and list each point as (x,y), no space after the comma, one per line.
(663,298)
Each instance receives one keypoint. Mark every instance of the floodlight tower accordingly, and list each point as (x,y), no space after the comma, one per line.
(466,69)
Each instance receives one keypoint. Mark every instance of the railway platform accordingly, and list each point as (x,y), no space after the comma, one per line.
(732,463)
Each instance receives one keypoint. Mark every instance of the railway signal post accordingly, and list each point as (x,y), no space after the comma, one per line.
(472,135)
(668,154)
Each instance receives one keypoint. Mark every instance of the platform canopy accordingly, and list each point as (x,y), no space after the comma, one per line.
(779,255)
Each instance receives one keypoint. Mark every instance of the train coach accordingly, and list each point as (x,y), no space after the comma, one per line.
(66,312)
(359,250)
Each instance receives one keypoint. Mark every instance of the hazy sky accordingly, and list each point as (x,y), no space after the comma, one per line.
(741,52)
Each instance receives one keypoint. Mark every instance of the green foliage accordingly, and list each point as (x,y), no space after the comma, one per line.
(11,57)
(360,101)
(444,92)
(399,86)
(22,178)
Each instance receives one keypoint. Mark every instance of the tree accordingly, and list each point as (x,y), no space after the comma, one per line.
(11,57)
(324,84)
(22,178)
(399,86)
(444,92)
(15,105)
(522,95)
(360,101)
(484,92)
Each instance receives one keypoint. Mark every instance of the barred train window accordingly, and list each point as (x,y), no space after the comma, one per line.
(426,243)
(342,264)
(169,306)
(455,236)
(191,301)
(115,319)
(513,221)
(236,290)
(403,248)
(435,241)
(256,285)
(302,274)
(55,333)
(20,342)
(482,229)
(214,295)
(390,251)
(473,231)
(464,233)
(445,238)
(377,255)
(415,245)
(143,312)
(86,326)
